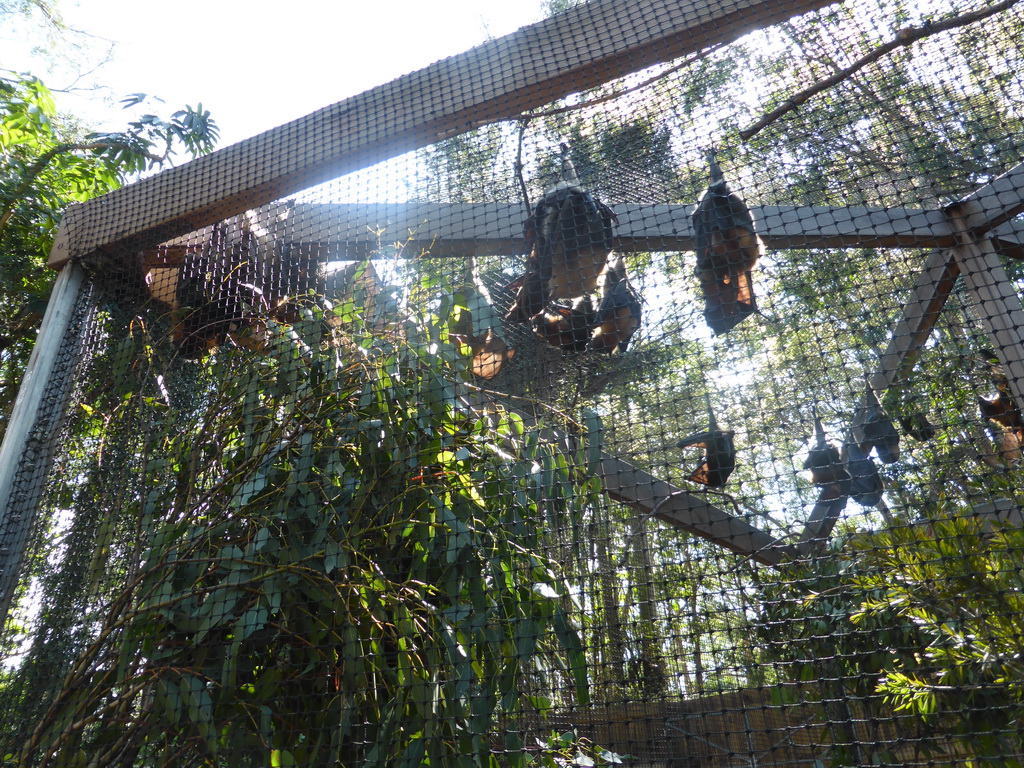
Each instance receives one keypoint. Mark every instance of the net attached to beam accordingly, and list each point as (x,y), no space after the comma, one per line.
(676,422)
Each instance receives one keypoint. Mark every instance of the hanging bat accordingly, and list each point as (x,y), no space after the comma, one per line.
(488,352)
(865,482)
(719,452)
(530,291)
(215,296)
(1009,448)
(916,425)
(566,326)
(569,236)
(231,288)
(826,465)
(872,428)
(909,410)
(1005,421)
(727,250)
(618,317)
(1002,408)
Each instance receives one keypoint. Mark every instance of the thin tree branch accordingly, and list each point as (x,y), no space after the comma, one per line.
(902,39)
(609,97)
(523,122)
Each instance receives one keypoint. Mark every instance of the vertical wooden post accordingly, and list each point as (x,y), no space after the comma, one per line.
(17,516)
(975,259)
(931,289)
(999,306)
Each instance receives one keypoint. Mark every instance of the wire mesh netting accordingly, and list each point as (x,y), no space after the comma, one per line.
(676,422)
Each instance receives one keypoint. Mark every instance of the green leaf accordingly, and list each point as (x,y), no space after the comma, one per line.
(595,441)
(571,642)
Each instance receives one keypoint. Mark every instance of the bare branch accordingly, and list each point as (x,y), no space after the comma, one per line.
(523,122)
(902,39)
(611,96)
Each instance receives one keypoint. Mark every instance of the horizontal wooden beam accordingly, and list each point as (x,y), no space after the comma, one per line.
(350,231)
(1008,239)
(854,226)
(1001,512)
(689,511)
(584,47)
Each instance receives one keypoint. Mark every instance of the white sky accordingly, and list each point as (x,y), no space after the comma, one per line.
(256,65)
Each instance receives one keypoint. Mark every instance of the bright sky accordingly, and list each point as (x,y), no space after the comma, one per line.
(256,65)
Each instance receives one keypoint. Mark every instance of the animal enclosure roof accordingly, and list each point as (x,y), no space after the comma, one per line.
(495,81)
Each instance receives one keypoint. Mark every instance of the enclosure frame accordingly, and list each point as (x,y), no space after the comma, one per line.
(500,80)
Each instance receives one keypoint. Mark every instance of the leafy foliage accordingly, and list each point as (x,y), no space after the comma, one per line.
(921,622)
(47,162)
(341,565)
(344,563)
(566,750)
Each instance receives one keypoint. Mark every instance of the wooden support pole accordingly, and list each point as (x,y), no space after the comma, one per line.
(18,515)
(680,508)
(1001,314)
(585,47)
(355,231)
(975,257)
(999,305)
(820,523)
(636,488)
(931,289)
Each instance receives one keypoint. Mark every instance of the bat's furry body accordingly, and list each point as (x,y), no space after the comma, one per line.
(569,235)
(727,250)
(826,466)
(865,482)
(872,428)
(618,317)
(1005,420)
(719,453)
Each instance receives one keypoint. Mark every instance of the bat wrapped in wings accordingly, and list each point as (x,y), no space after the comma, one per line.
(727,250)
(827,468)
(866,485)
(216,295)
(719,452)
(872,428)
(566,325)
(618,316)
(475,324)
(569,235)
(1005,420)
(576,326)
(231,288)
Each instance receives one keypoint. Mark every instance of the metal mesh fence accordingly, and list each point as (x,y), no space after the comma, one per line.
(674,422)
